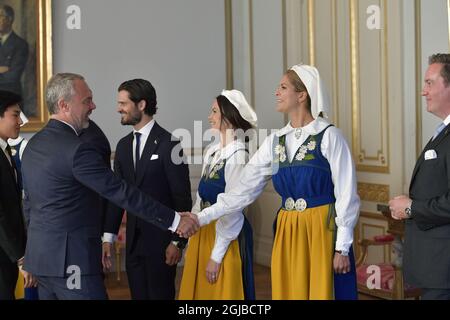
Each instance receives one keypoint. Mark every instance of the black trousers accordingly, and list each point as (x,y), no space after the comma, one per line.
(150,278)
(8,279)
(435,294)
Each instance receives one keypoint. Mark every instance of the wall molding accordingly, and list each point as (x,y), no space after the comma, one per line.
(373,192)
(229,43)
(379,162)
(418,38)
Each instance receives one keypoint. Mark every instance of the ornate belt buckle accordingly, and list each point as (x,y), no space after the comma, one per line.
(289,204)
(300,204)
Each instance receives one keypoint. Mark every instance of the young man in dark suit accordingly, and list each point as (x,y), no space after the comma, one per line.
(144,158)
(13,52)
(61,197)
(426,259)
(12,228)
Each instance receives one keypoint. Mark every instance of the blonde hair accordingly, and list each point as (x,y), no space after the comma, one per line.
(298,84)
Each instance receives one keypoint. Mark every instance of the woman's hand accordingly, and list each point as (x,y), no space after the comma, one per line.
(341,264)
(212,271)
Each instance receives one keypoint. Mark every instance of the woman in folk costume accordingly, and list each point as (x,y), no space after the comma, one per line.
(218,260)
(312,169)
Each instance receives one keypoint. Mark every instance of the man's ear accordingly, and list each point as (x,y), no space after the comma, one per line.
(141,105)
(62,105)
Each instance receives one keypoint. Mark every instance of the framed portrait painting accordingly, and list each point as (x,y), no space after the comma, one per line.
(26,55)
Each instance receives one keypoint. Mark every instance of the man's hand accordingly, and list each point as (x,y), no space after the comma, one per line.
(173,254)
(4,69)
(188,225)
(28,279)
(106,255)
(212,271)
(341,264)
(398,206)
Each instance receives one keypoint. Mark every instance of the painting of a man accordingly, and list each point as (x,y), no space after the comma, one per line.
(13,53)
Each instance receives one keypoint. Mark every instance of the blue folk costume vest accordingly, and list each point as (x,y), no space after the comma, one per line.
(211,185)
(306,182)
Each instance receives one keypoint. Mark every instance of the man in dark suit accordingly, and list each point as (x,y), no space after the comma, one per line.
(144,158)
(62,178)
(13,52)
(426,259)
(93,134)
(12,228)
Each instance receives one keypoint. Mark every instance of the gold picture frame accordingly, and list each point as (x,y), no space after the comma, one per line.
(32,23)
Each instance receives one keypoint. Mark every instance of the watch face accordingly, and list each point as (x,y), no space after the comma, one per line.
(408,212)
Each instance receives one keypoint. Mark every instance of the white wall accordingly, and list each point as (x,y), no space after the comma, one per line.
(435,39)
(178,45)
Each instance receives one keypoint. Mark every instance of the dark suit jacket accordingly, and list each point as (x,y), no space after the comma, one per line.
(160,178)
(12,228)
(426,260)
(93,134)
(62,177)
(14,55)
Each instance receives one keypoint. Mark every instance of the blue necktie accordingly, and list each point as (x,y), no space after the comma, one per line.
(138,148)
(438,130)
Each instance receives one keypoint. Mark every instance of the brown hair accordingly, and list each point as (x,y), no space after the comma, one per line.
(444,59)
(231,114)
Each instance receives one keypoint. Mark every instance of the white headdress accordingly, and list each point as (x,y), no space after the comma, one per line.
(320,101)
(238,100)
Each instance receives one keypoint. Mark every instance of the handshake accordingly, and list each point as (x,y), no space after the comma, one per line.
(188,225)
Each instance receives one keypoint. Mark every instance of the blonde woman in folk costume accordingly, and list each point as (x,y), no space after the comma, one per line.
(312,169)
(218,261)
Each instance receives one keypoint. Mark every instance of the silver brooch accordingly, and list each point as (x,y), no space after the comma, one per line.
(298,133)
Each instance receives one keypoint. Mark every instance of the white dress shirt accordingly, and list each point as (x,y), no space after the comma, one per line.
(5,37)
(145,132)
(3,145)
(229,226)
(259,170)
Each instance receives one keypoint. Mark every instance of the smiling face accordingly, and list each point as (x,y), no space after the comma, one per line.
(129,111)
(436,92)
(215,117)
(10,123)
(287,96)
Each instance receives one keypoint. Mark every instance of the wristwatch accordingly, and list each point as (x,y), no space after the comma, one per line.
(408,212)
(342,252)
(179,244)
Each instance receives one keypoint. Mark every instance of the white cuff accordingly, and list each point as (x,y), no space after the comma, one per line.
(344,238)
(175,223)
(204,216)
(109,237)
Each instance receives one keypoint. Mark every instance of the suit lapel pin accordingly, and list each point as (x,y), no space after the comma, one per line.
(156,142)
